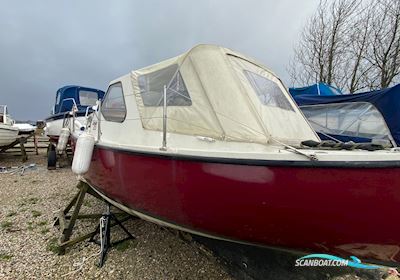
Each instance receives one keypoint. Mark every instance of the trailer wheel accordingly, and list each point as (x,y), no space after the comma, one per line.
(51,157)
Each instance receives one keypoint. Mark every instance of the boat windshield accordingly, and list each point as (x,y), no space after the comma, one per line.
(87,98)
(358,119)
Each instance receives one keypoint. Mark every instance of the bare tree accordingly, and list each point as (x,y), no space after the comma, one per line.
(351,44)
(357,67)
(321,52)
(384,44)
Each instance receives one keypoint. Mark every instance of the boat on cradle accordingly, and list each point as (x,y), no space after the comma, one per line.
(8,132)
(211,142)
(71,102)
(25,128)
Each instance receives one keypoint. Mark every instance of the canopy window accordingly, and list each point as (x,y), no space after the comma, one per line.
(152,88)
(268,91)
(360,119)
(88,98)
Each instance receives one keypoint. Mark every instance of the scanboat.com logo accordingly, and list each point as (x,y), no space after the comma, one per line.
(329,260)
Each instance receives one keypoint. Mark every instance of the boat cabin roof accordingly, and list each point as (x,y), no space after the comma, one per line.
(211,91)
(81,96)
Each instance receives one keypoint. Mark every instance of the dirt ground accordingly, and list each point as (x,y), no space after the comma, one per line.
(28,240)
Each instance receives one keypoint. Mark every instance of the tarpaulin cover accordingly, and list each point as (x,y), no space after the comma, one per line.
(386,101)
(76,92)
(316,89)
(215,92)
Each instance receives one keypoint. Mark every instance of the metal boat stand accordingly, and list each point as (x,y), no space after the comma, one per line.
(66,221)
(104,230)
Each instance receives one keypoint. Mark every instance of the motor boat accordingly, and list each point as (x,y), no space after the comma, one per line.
(71,102)
(211,143)
(8,132)
(25,128)
(362,117)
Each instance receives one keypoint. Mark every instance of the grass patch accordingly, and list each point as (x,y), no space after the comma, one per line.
(52,246)
(29,200)
(36,213)
(42,223)
(11,214)
(44,230)
(6,224)
(5,257)
(87,203)
(123,246)
(33,200)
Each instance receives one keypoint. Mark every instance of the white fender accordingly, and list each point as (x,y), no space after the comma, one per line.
(83,153)
(63,139)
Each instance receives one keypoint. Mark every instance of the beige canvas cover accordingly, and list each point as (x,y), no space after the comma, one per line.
(215,92)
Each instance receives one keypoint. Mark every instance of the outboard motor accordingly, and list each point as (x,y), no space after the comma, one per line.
(83,153)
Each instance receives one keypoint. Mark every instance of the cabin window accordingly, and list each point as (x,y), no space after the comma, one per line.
(268,91)
(58,98)
(152,88)
(113,107)
(87,98)
(358,119)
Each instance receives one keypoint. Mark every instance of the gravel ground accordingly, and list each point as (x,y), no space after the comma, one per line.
(27,237)
(28,240)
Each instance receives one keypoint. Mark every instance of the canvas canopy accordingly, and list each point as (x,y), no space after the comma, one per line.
(316,89)
(83,97)
(359,117)
(215,92)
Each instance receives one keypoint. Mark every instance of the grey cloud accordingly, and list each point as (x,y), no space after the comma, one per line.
(47,44)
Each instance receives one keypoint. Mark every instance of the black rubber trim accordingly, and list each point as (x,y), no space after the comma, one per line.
(260,162)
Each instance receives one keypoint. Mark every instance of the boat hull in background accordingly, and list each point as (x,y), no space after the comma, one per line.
(54,126)
(8,134)
(336,210)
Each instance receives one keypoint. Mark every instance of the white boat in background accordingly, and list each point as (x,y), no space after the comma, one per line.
(8,132)
(25,128)
(69,98)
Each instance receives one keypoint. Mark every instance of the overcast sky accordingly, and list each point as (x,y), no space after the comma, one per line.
(48,44)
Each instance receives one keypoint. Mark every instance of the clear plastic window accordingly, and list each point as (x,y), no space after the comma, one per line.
(87,98)
(268,91)
(360,119)
(113,106)
(152,88)
(58,98)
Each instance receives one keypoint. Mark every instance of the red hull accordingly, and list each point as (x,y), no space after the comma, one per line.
(343,211)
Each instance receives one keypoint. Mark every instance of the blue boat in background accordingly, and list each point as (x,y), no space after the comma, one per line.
(319,89)
(361,117)
(66,98)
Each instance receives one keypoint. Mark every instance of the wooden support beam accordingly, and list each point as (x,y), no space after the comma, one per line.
(67,221)
(24,156)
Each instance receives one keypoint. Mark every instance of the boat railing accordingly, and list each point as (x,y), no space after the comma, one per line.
(164,141)
(68,99)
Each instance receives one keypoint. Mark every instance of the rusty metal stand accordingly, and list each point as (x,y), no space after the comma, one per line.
(67,222)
